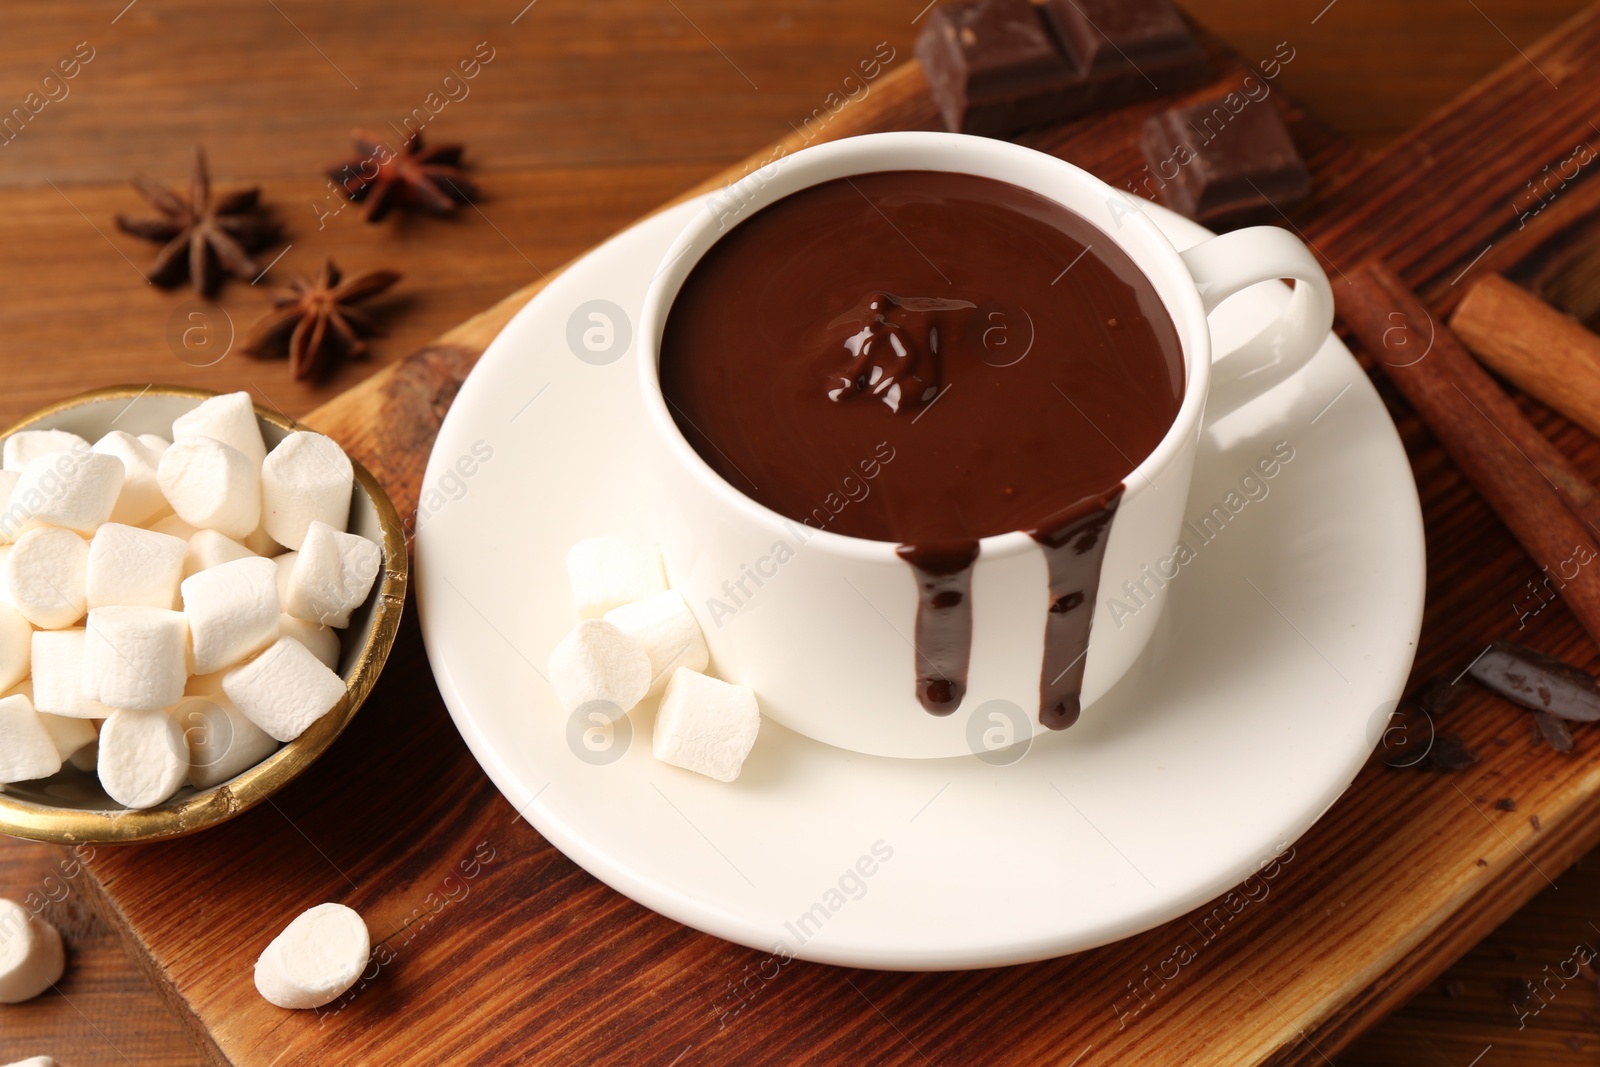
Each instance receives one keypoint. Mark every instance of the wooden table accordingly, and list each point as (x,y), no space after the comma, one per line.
(587,116)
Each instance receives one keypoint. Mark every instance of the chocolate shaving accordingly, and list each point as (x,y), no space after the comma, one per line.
(1538,682)
(1555,732)
(1450,753)
(1506,804)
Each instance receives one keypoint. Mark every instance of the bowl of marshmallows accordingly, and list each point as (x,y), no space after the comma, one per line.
(196,595)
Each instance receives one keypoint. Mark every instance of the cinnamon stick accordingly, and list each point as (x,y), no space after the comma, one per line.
(1546,353)
(1536,491)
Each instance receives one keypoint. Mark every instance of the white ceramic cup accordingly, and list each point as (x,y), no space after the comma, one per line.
(820,624)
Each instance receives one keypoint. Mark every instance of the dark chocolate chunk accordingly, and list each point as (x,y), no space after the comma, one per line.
(1538,682)
(1145,38)
(1506,804)
(1439,696)
(1225,161)
(1450,753)
(990,65)
(1554,731)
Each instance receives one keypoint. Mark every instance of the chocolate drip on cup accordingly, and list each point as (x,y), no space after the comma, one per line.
(944,621)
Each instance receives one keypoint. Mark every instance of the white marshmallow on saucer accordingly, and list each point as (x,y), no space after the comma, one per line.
(46,571)
(666,628)
(222,742)
(333,573)
(316,959)
(31,957)
(143,757)
(135,658)
(307,478)
(57,680)
(705,725)
(208,548)
(322,641)
(67,734)
(131,567)
(597,662)
(284,690)
(607,572)
(27,751)
(75,490)
(233,611)
(16,647)
(25,446)
(212,486)
(230,418)
(140,499)
(174,527)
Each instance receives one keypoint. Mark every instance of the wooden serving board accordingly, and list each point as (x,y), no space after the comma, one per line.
(495,948)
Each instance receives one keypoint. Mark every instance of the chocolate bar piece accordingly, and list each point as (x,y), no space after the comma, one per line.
(1538,682)
(996,67)
(1225,161)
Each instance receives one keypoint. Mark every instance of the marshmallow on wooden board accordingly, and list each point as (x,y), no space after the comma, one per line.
(607,572)
(16,647)
(67,734)
(666,628)
(75,490)
(322,641)
(212,486)
(143,757)
(705,725)
(333,573)
(57,657)
(135,658)
(34,1061)
(25,446)
(10,526)
(45,574)
(140,499)
(175,527)
(208,548)
(131,567)
(284,690)
(316,959)
(233,612)
(597,662)
(230,418)
(27,751)
(222,742)
(31,956)
(307,478)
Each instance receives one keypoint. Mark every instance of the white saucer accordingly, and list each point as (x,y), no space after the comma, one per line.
(1287,641)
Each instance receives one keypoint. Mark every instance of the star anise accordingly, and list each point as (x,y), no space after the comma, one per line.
(429,180)
(206,238)
(314,322)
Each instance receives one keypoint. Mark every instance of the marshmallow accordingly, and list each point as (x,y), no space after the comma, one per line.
(45,572)
(598,662)
(207,549)
(261,543)
(10,525)
(333,573)
(68,735)
(322,641)
(284,690)
(607,572)
(212,486)
(705,725)
(285,565)
(316,959)
(144,758)
(140,499)
(306,479)
(25,446)
(174,527)
(31,957)
(222,742)
(664,625)
(131,567)
(87,758)
(155,442)
(34,1061)
(57,657)
(204,685)
(27,751)
(233,611)
(230,418)
(134,658)
(16,645)
(76,490)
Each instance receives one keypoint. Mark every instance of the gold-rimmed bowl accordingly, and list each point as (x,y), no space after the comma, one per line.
(70,807)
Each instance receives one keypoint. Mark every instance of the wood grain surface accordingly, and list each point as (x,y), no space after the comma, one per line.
(603,114)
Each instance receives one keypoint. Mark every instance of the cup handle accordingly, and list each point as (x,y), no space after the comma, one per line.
(1233,261)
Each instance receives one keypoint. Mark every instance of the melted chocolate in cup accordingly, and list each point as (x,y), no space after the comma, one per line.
(930,358)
